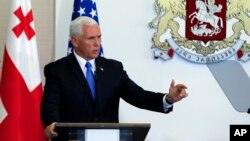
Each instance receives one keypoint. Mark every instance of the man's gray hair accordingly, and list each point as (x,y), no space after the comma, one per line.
(77,24)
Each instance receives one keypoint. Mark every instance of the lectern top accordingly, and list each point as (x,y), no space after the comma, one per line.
(104,125)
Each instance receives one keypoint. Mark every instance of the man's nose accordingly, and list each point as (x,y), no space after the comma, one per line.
(97,42)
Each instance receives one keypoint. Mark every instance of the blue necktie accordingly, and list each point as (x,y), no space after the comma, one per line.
(90,78)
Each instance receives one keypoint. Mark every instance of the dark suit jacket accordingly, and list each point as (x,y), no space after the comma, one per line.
(67,96)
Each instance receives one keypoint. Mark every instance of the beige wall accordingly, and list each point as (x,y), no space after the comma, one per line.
(43,12)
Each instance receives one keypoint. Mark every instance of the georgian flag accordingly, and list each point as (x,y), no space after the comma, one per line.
(21,86)
(163,54)
(3,112)
(243,55)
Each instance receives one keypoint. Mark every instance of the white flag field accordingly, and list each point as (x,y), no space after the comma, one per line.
(21,86)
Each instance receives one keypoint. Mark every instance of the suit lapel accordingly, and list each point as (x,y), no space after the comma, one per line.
(99,68)
(99,74)
(100,89)
(78,74)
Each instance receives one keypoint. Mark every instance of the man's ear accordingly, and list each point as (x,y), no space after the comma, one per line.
(74,41)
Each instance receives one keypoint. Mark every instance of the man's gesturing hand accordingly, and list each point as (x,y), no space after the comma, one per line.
(176,92)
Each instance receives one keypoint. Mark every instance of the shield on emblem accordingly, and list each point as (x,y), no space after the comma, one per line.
(206,20)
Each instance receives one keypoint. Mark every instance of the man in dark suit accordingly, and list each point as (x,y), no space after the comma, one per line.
(68,96)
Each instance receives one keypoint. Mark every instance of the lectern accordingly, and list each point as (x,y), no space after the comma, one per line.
(102,131)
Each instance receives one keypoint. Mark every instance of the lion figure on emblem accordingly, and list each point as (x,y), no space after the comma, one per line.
(168,10)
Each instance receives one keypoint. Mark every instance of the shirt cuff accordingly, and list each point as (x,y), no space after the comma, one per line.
(166,105)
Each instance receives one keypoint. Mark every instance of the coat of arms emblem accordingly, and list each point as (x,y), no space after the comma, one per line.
(202,31)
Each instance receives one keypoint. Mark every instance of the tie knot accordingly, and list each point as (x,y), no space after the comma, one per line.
(88,65)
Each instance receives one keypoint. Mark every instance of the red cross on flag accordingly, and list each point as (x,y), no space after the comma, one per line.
(21,86)
(243,55)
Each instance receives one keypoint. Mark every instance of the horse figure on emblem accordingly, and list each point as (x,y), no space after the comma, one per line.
(206,14)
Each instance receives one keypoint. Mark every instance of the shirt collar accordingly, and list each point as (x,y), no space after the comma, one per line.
(82,62)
